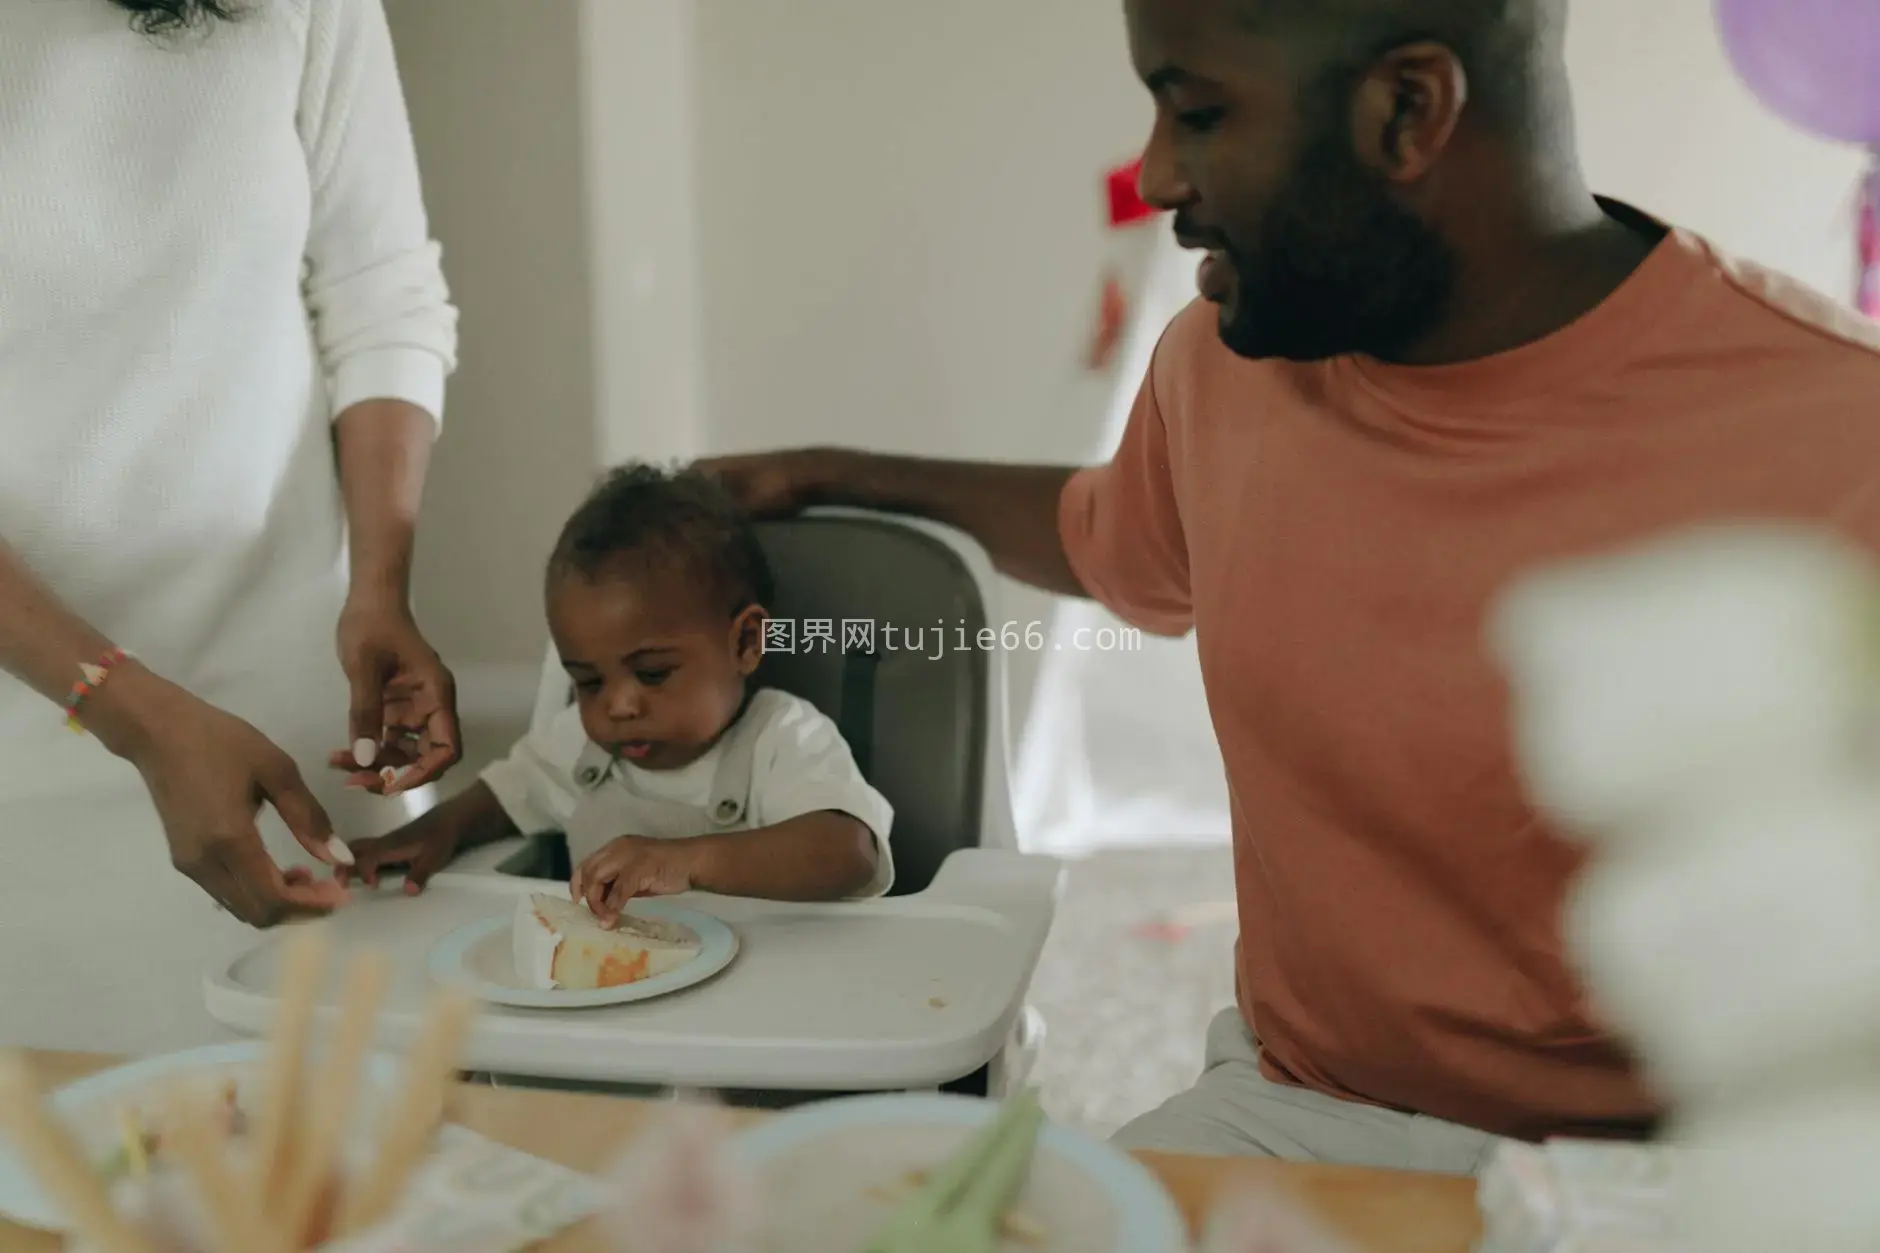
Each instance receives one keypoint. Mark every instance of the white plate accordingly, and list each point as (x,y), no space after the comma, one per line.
(835,1171)
(479,959)
(89,1107)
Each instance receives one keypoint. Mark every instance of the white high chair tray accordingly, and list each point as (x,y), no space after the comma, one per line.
(901,992)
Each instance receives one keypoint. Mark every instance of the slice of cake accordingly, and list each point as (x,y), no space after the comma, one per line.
(558,944)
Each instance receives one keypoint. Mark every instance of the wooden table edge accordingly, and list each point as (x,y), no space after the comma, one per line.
(1380,1211)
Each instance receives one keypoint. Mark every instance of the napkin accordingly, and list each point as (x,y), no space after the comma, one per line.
(473,1195)
(477,1196)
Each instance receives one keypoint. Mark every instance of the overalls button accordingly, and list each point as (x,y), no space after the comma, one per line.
(588,775)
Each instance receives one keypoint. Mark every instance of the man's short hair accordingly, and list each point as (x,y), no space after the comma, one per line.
(1502,44)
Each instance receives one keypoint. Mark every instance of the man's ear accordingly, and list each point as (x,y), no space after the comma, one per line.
(1407,109)
(747,638)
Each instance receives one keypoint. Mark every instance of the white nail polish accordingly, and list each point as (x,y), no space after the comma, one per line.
(337,850)
(365,752)
(389,775)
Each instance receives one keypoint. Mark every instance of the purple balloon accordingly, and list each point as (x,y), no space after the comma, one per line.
(1815,62)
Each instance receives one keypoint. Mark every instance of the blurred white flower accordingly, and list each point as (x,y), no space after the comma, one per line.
(1739,942)
(1794,1174)
(677,1187)
(1675,668)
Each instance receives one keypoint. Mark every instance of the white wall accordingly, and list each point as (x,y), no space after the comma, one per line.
(1665,123)
(555,140)
(900,215)
(493,90)
(639,93)
(902,206)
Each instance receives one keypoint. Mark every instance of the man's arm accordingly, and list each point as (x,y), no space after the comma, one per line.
(1012,510)
(1112,532)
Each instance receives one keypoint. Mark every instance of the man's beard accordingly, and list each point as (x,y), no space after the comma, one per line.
(1336,267)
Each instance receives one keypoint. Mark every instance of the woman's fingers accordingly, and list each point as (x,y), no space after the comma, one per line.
(426,768)
(213,876)
(244,880)
(426,753)
(303,815)
(395,762)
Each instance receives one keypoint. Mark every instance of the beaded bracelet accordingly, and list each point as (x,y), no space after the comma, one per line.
(94,677)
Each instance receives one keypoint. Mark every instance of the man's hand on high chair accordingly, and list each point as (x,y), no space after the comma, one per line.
(631,866)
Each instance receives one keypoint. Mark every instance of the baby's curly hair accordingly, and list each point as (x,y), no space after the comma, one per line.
(162,17)
(643,520)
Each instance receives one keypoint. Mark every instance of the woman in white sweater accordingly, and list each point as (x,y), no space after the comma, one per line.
(224,336)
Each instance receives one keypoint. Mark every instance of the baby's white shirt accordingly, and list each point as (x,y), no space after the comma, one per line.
(799,764)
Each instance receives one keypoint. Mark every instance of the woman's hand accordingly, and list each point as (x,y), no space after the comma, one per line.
(209,773)
(403,699)
(631,866)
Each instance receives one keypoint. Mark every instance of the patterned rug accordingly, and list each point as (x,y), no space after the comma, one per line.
(1140,958)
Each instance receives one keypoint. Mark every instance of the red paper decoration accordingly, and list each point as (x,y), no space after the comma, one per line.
(1126,204)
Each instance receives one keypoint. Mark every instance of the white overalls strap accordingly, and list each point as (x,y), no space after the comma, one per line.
(611,806)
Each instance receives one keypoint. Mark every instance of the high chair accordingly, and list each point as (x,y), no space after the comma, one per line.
(862,602)
(927,723)
(927,726)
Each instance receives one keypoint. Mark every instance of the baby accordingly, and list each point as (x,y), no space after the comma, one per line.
(668,772)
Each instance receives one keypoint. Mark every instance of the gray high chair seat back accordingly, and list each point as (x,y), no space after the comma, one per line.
(878,623)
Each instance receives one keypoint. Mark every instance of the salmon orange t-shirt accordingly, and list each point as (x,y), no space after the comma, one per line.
(1334,533)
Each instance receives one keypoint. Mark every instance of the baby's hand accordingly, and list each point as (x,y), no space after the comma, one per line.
(633,866)
(422,847)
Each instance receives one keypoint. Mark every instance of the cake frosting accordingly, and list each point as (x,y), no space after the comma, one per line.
(557,943)
(533,945)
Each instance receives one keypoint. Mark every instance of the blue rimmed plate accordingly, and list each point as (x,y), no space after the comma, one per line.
(835,1171)
(478,958)
(91,1107)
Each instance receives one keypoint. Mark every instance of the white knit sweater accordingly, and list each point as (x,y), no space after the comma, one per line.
(210,245)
